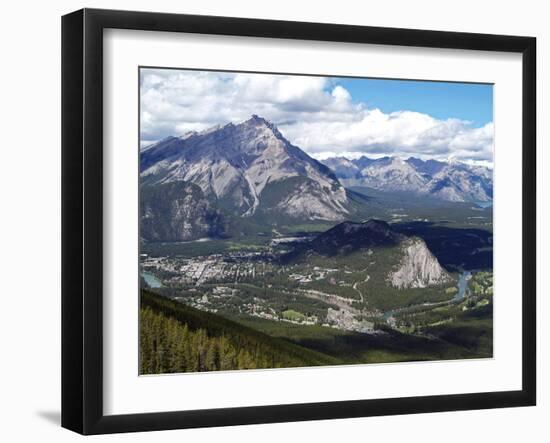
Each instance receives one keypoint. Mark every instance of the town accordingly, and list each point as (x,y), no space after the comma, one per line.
(245,282)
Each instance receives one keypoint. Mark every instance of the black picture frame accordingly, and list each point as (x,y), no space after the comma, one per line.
(82,214)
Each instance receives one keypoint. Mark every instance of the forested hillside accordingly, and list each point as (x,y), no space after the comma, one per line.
(178,338)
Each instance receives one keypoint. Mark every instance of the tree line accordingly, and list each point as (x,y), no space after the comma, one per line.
(167,346)
(177,338)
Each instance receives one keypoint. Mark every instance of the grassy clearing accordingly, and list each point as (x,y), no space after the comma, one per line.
(291,314)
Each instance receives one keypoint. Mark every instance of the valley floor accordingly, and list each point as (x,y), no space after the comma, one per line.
(334,307)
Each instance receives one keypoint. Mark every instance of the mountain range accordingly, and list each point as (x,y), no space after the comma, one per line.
(217,182)
(450,181)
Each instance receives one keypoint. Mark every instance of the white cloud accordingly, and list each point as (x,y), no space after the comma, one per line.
(312,112)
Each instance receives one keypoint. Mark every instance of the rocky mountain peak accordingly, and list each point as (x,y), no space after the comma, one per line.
(429,167)
(236,163)
(256,119)
(397,161)
(262,124)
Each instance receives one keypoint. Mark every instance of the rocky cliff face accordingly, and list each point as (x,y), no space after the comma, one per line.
(418,267)
(237,163)
(177,212)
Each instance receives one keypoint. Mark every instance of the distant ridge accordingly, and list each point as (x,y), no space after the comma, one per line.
(349,236)
(450,180)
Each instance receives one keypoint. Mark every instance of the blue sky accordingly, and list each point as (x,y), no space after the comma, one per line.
(326,116)
(442,100)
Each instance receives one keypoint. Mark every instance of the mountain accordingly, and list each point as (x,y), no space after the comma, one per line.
(459,182)
(343,168)
(449,181)
(429,167)
(178,211)
(249,169)
(388,256)
(363,162)
(348,236)
(392,174)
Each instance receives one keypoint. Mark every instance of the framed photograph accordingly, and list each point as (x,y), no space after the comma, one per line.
(270,221)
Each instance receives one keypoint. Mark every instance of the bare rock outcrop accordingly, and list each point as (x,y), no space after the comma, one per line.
(418,267)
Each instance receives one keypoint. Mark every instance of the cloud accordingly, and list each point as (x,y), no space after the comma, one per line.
(315,113)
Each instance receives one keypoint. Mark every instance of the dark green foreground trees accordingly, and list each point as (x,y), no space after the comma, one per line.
(177,338)
(169,346)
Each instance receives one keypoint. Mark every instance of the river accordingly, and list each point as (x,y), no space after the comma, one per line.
(151,280)
(462,285)
(484,204)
